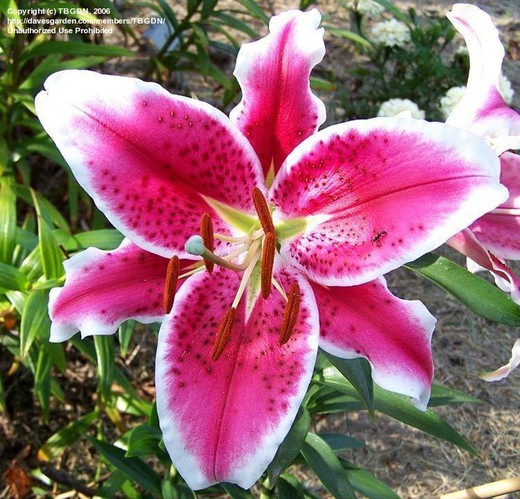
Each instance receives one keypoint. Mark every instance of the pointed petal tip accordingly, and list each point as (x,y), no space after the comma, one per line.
(504,371)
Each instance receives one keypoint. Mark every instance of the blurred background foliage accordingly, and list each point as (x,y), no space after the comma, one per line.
(87,390)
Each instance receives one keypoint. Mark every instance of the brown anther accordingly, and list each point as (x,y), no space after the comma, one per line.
(170,285)
(290,313)
(266,274)
(223,333)
(262,209)
(206,232)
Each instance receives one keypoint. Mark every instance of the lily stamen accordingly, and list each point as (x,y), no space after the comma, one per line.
(223,333)
(279,288)
(239,239)
(245,279)
(170,285)
(290,313)
(263,212)
(206,231)
(267,263)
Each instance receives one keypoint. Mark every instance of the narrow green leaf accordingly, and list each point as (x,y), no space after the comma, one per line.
(125,333)
(290,447)
(236,492)
(235,23)
(400,408)
(58,442)
(35,320)
(341,443)
(105,239)
(50,253)
(288,490)
(42,205)
(349,35)
(442,395)
(105,365)
(478,295)
(50,47)
(132,467)
(255,10)
(55,353)
(143,440)
(321,84)
(7,222)
(366,483)
(54,63)
(11,279)
(358,372)
(321,458)
(42,381)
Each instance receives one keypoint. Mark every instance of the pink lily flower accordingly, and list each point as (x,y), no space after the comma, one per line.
(289,264)
(495,236)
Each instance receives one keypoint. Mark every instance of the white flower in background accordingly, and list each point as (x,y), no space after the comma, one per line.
(364,7)
(390,33)
(454,95)
(506,90)
(404,107)
(451,99)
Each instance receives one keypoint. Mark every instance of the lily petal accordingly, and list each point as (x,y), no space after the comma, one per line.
(379,193)
(481,259)
(278,109)
(148,158)
(505,371)
(482,109)
(393,334)
(223,420)
(499,230)
(104,288)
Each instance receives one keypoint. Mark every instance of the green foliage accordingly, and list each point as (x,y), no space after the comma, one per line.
(39,229)
(421,71)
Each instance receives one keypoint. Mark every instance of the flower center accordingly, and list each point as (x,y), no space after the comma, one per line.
(255,250)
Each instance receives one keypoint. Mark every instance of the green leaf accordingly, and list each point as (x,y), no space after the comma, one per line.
(105,365)
(236,492)
(50,253)
(321,84)
(255,10)
(290,447)
(125,333)
(132,467)
(105,239)
(358,372)
(12,279)
(143,440)
(52,64)
(349,35)
(288,490)
(341,443)
(321,458)
(400,408)
(42,381)
(50,47)
(366,483)
(56,354)
(442,395)
(235,23)
(7,222)
(478,295)
(35,320)
(56,444)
